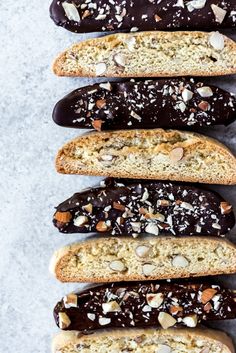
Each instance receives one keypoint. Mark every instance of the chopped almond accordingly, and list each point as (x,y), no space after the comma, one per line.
(63,217)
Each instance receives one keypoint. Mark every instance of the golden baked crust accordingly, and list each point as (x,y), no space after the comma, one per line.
(148,154)
(152,54)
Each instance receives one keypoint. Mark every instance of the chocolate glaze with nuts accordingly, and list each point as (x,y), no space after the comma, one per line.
(140,305)
(121,206)
(166,103)
(106,15)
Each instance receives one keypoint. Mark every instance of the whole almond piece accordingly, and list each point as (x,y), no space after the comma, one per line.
(97,124)
(166,320)
(117,266)
(155,300)
(225,207)
(207,295)
(63,217)
(64,320)
(190,321)
(101,226)
(180,261)
(203,105)
(176,154)
(88,208)
(80,221)
(142,250)
(148,269)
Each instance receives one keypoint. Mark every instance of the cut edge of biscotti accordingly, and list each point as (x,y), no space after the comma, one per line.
(164,341)
(149,154)
(150,54)
(117,259)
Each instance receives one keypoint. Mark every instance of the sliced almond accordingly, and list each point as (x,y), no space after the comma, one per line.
(187,95)
(104,321)
(219,13)
(86,14)
(190,321)
(111,307)
(155,300)
(148,269)
(203,105)
(175,309)
(157,18)
(97,124)
(80,221)
(152,229)
(71,11)
(101,226)
(107,86)
(100,103)
(207,295)
(118,206)
(142,250)
(64,320)
(180,261)
(63,217)
(225,208)
(117,266)
(120,59)
(166,320)
(100,69)
(205,91)
(70,300)
(216,40)
(176,154)
(88,208)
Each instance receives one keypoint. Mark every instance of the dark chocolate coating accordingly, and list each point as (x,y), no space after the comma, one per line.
(145,105)
(180,209)
(142,15)
(135,310)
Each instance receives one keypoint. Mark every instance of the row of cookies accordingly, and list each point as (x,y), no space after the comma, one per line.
(183,223)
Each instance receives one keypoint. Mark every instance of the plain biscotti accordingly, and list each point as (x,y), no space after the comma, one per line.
(144,341)
(150,54)
(149,154)
(126,259)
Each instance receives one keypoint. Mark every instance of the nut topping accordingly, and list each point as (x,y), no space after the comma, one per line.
(190,321)
(152,229)
(219,13)
(91,316)
(207,295)
(70,301)
(187,95)
(117,266)
(71,11)
(148,269)
(63,217)
(157,18)
(166,320)
(111,307)
(100,69)
(64,320)
(101,226)
(154,300)
(104,321)
(205,91)
(142,250)
(174,309)
(101,103)
(163,348)
(225,208)
(180,261)
(97,124)
(88,208)
(80,221)
(176,154)
(203,105)
(118,206)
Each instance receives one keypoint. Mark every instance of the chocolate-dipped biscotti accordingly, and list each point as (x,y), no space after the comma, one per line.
(177,103)
(132,207)
(104,15)
(128,259)
(144,305)
(149,154)
(147,340)
(150,54)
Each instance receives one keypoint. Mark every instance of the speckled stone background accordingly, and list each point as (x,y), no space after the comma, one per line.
(29,185)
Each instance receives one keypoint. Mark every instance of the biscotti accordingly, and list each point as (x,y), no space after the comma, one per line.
(144,341)
(105,15)
(143,304)
(133,207)
(149,154)
(150,54)
(150,258)
(177,103)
